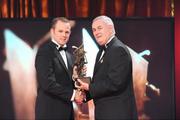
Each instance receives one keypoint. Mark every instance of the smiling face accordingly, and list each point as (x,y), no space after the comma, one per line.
(61,32)
(102,31)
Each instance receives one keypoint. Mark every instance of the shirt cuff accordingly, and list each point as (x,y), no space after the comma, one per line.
(73,95)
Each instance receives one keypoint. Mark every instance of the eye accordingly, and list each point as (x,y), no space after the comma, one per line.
(67,32)
(99,28)
(93,29)
(60,31)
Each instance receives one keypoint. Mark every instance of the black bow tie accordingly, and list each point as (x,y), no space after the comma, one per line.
(62,48)
(103,47)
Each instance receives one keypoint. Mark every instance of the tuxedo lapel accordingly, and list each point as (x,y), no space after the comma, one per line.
(69,61)
(59,57)
(97,63)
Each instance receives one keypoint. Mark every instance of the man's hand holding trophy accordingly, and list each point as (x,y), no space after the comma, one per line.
(79,71)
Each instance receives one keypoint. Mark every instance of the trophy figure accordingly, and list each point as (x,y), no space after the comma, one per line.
(80,61)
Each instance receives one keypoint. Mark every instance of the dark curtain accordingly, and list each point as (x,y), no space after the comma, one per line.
(177,58)
(85,8)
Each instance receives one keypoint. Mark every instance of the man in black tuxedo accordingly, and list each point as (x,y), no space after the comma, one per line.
(54,73)
(111,87)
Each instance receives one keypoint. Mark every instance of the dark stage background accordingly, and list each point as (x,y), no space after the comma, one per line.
(154,34)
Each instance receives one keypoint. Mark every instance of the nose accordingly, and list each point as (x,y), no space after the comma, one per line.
(64,34)
(97,34)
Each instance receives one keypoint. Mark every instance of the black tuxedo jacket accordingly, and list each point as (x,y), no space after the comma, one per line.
(55,85)
(112,85)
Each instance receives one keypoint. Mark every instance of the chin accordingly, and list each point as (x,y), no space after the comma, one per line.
(99,42)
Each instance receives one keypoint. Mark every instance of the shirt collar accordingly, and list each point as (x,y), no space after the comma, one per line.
(109,40)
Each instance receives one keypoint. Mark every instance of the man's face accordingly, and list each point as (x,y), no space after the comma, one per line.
(61,32)
(101,31)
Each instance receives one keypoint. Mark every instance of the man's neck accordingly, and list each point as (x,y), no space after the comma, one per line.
(110,39)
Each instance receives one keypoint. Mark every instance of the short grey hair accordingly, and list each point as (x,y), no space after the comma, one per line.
(105,19)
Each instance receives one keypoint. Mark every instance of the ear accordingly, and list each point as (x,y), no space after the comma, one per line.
(51,30)
(110,28)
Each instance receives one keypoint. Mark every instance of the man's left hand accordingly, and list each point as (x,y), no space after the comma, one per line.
(82,85)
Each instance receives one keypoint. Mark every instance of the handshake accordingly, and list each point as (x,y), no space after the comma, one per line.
(80,96)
